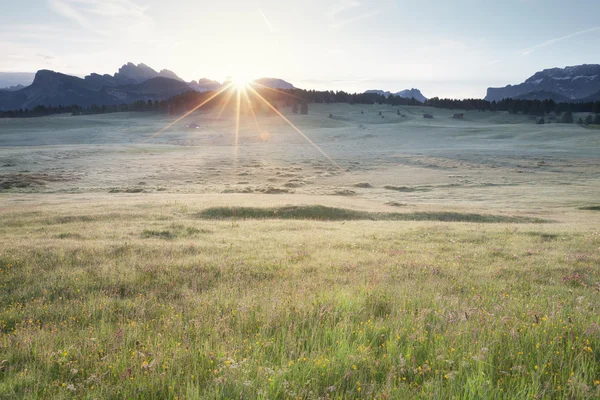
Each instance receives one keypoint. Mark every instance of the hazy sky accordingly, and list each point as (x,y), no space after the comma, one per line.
(454,48)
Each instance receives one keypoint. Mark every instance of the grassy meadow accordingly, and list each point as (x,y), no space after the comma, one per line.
(440,259)
(158,301)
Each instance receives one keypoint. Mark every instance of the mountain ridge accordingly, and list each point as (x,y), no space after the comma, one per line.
(573,83)
(50,88)
(407,94)
(12,79)
(130,83)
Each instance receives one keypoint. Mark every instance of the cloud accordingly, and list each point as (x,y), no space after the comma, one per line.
(349,11)
(269,25)
(45,33)
(343,6)
(107,18)
(556,40)
(65,9)
(351,20)
(491,63)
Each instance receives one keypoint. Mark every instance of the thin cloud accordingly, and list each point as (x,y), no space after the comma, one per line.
(556,40)
(491,63)
(349,81)
(346,5)
(105,17)
(356,19)
(264,17)
(65,9)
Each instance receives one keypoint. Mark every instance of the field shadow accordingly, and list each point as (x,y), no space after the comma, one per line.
(322,213)
(174,231)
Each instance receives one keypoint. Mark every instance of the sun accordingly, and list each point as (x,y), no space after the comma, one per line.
(240,82)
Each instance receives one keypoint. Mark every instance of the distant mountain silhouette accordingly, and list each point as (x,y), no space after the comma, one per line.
(274,83)
(544,95)
(158,88)
(407,94)
(594,97)
(130,83)
(97,81)
(561,84)
(131,73)
(13,88)
(165,73)
(12,79)
(383,93)
(412,93)
(51,88)
(205,85)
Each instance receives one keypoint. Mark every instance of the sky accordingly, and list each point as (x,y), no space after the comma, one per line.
(445,48)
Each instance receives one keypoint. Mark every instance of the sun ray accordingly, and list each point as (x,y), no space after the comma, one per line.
(296,128)
(191,111)
(237,130)
(258,128)
(225,103)
(276,90)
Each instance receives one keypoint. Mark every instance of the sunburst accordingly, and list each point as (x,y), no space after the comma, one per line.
(241,86)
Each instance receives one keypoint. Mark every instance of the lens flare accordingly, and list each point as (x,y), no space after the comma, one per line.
(226,87)
(240,87)
(296,128)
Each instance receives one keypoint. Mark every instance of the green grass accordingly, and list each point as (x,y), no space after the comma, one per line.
(404,188)
(172,232)
(358,308)
(591,208)
(322,213)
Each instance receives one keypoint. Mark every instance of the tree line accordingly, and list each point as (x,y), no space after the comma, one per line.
(42,111)
(299,99)
(515,106)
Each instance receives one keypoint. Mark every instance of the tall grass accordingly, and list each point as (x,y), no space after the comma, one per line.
(323,213)
(91,308)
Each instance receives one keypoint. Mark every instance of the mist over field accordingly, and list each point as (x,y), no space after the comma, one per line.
(433,257)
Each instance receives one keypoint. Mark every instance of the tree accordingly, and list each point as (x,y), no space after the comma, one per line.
(567,117)
(589,119)
(534,108)
(304,109)
(596,108)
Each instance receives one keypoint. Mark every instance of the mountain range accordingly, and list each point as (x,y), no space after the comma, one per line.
(578,83)
(130,83)
(11,80)
(407,94)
